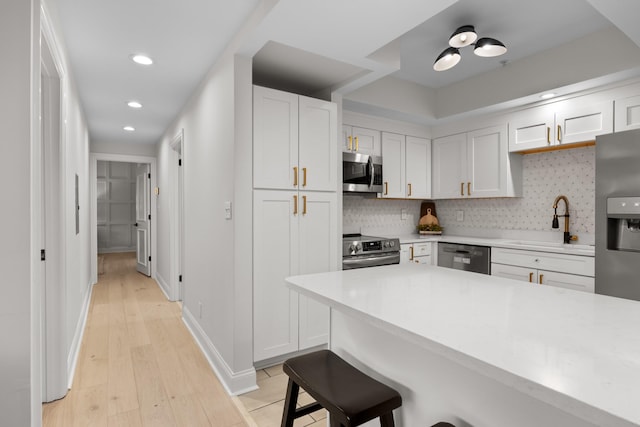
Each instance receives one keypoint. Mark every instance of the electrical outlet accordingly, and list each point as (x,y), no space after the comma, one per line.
(403,214)
(459,215)
(200,309)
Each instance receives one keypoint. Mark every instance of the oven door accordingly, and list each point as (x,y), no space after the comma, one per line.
(388,258)
(361,173)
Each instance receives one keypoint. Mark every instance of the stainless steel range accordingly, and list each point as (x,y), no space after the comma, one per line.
(367,251)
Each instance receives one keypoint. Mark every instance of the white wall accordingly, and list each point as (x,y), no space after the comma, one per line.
(217,304)
(20,297)
(115,147)
(17,250)
(76,283)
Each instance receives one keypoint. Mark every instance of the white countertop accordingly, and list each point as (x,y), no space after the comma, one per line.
(531,245)
(574,350)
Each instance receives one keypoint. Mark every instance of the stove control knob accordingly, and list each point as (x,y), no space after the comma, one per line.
(359,247)
(392,243)
(386,244)
(353,248)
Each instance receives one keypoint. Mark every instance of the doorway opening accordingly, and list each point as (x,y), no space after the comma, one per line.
(123,209)
(55,370)
(177,218)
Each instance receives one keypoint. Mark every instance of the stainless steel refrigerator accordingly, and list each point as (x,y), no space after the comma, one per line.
(618,214)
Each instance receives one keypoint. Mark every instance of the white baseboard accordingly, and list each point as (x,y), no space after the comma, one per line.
(234,382)
(74,351)
(164,286)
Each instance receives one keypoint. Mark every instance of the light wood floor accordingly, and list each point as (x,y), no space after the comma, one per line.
(138,364)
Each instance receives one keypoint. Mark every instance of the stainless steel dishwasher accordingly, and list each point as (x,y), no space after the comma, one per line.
(465,257)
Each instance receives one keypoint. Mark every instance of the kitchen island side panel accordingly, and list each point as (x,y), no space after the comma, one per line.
(435,388)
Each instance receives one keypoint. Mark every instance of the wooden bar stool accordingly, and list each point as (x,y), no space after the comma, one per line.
(351,397)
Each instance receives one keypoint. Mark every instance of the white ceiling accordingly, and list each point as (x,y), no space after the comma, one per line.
(308,46)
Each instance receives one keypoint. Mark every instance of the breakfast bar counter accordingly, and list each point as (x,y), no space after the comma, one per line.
(479,350)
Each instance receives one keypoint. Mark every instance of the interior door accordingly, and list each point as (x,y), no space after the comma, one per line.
(143,219)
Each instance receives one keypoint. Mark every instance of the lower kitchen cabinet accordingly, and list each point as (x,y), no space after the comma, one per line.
(294,233)
(544,268)
(418,253)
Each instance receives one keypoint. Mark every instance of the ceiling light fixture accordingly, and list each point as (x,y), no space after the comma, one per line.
(142,59)
(129,128)
(547,95)
(134,104)
(466,36)
(447,59)
(463,36)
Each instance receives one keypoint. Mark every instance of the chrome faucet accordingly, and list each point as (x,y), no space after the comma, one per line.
(567,236)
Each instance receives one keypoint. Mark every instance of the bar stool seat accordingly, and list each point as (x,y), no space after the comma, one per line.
(351,397)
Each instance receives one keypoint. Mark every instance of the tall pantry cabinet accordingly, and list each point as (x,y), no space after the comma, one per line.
(295,171)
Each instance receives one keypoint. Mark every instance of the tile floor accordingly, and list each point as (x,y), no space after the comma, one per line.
(265,404)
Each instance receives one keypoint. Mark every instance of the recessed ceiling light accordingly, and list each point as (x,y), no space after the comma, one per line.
(134,104)
(142,59)
(129,128)
(547,95)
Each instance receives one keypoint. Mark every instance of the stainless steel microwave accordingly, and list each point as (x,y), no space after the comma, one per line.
(361,173)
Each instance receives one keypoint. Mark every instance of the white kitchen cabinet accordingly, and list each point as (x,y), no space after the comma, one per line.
(361,140)
(559,270)
(475,165)
(406,167)
(417,253)
(627,113)
(560,123)
(294,233)
(417,167)
(294,141)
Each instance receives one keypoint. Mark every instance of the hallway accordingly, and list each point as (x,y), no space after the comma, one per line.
(138,364)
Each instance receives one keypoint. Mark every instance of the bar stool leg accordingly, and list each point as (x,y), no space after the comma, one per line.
(386,420)
(333,423)
(289,412)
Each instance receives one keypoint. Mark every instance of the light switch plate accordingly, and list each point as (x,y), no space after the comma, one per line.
(227,210)
(459,215)
(403,214)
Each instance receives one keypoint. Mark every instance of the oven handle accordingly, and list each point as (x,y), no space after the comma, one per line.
(371,261)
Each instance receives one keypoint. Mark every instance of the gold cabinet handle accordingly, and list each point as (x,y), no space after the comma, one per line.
(409,189)
(356,143)
(295,176)
(386,188)
(350,143)
(462,188)
(559,133)
(468,188)
(548,135)
(531,277)
(540,279)
(410,253)
(304,205)
(295,205)
(304,177)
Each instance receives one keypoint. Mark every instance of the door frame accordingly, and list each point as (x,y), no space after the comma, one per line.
(93,185)
(55,369)
(176,221)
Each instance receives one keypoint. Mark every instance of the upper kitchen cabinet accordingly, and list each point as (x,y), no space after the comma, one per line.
(294,141)
(475,165)
(406,166)
(361,140)
(627,113)
(561,123)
